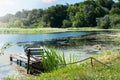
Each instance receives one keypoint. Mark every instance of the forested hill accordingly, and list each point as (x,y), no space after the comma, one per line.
(90,13)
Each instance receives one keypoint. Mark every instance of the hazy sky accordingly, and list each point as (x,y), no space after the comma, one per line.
(12,6)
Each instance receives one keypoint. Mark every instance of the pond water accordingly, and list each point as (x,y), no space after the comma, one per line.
(21,41)
(81,44)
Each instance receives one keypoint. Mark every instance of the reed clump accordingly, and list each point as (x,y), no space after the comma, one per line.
(52,59)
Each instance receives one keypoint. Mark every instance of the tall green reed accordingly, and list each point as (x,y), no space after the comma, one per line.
(52,59)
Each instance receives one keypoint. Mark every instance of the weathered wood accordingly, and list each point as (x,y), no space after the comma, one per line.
(32,58)
(34,49)
(76,62)
(91,61)
(33,53)
(91,58)
(20,63)
(17,61)
(100,62)
(11,59)
(18,57)
(23,58)
(28,63)
(33,62)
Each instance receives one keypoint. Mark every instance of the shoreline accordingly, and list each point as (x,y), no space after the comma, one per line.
(48,30)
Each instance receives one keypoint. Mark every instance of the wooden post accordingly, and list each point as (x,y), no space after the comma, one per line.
(91,62)
(20,63)
(11,58)
(28,63)
(101,62)
(17,61)
(25,65)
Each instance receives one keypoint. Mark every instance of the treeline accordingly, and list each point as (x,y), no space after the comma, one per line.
(90,13)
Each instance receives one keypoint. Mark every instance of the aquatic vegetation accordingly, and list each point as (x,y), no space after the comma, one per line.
(4,47)
(52,60)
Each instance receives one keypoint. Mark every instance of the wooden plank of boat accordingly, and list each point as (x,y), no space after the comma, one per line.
(23,58)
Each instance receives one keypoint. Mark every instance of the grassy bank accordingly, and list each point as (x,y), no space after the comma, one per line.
(30,30)
(46,30)
(91,29)
(84,71)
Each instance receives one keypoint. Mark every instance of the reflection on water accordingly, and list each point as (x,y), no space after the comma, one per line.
(81,44)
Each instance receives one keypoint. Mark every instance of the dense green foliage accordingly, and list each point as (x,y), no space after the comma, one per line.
(109,21)
(54,15)
(89,13)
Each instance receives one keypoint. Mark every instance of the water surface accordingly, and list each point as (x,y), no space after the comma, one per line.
(21,41)
(80,44)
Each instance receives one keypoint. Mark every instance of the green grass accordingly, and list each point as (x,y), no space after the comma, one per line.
(84,71)
(92,29)
(46,30)
(30,30)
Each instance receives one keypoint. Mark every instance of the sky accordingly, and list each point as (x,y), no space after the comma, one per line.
(12,6)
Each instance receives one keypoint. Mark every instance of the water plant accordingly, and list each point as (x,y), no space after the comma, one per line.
(52,59)
(4,47)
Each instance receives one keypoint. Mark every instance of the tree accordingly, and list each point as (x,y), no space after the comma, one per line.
(106,3)
(55,15)
(7,18)
(116,5)
(79,20)
(81,14)
(101,11)
(17,23)
(66,23)
(35,15)
(71,11)
(90,15)
(115,11)
(115,20)
(104,22)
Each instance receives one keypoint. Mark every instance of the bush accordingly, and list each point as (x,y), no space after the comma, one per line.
(109,21)
(115,21)
(104,22)
(66,23)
